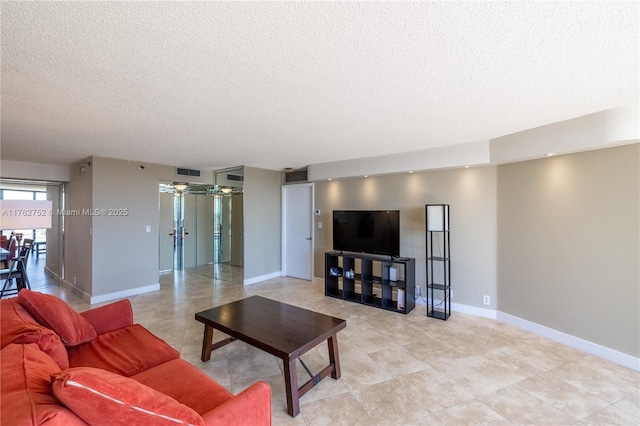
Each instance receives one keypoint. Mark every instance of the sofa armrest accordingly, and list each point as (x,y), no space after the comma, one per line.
(250,407)
(110,317)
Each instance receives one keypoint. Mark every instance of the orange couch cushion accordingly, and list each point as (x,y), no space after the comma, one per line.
(18,326)
(186,384)
(250,407)
(27,397)
(96,395)
(56,314)
(110,317)
(126,351)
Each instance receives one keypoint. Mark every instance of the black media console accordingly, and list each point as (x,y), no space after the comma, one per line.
(381,281)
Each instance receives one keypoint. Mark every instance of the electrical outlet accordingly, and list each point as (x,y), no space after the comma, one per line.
(74,280)
(486,300)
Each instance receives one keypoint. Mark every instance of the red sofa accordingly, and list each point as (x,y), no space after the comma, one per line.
(59,367)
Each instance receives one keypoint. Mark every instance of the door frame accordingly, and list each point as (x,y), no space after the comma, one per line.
(283,237)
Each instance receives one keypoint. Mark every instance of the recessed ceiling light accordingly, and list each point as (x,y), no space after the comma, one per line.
(550,154)
(410,171)
(366,175)
(466,167)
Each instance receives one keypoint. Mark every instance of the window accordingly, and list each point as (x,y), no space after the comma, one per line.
(10,194)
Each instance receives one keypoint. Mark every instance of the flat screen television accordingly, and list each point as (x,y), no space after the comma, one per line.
(367,231)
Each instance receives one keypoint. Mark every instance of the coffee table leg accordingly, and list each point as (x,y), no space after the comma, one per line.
(291,386)
(334,358)
(206,343)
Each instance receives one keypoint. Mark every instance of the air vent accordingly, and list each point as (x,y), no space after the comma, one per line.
(237,178)
(296,176)
(187,172)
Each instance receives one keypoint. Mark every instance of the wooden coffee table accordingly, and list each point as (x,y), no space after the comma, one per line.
(282,330)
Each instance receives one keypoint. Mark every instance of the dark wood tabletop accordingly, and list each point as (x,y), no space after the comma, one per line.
(278,328)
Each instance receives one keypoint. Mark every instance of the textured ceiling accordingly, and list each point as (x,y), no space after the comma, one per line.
(287,84)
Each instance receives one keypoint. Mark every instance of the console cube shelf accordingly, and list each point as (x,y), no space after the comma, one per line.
(371,282)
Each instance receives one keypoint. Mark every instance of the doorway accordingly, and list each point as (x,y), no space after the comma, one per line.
(297,229)
(198,225)
(46,262)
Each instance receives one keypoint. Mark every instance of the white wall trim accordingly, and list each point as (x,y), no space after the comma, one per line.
(33,171)
(51,273)
(75,290)
(124,293)
(586,346)
(459,155)
(473,310)
(604,129)
(573,341)
(464,309)
(262,278)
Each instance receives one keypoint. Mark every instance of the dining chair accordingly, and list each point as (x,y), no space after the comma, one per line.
(10,247)
(17,271)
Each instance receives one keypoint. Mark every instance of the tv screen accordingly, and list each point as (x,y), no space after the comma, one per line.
(367,231)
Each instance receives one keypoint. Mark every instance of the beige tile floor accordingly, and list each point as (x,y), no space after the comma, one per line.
(396,369)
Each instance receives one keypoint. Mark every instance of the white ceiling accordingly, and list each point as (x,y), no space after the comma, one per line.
(288,84)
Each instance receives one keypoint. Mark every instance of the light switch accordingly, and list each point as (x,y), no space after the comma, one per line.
(319,225)
(148,228)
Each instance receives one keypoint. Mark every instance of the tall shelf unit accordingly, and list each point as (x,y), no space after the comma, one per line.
(381,281)
(438,261)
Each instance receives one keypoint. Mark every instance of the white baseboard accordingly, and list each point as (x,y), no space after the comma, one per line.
(51,273)
(109,296)
(261,278)
(124,293)
(75,290)
(586,346)
(464,309)
(575,342)
(474,310)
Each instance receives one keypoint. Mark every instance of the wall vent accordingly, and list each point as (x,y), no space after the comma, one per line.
(296,176)
(237,178)
(187,172)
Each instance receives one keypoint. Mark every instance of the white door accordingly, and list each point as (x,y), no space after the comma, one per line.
(297,229)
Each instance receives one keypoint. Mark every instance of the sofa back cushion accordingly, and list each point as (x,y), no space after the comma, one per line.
(126,351)
(18,326)
(27,397)
(56,314)
(97,395)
